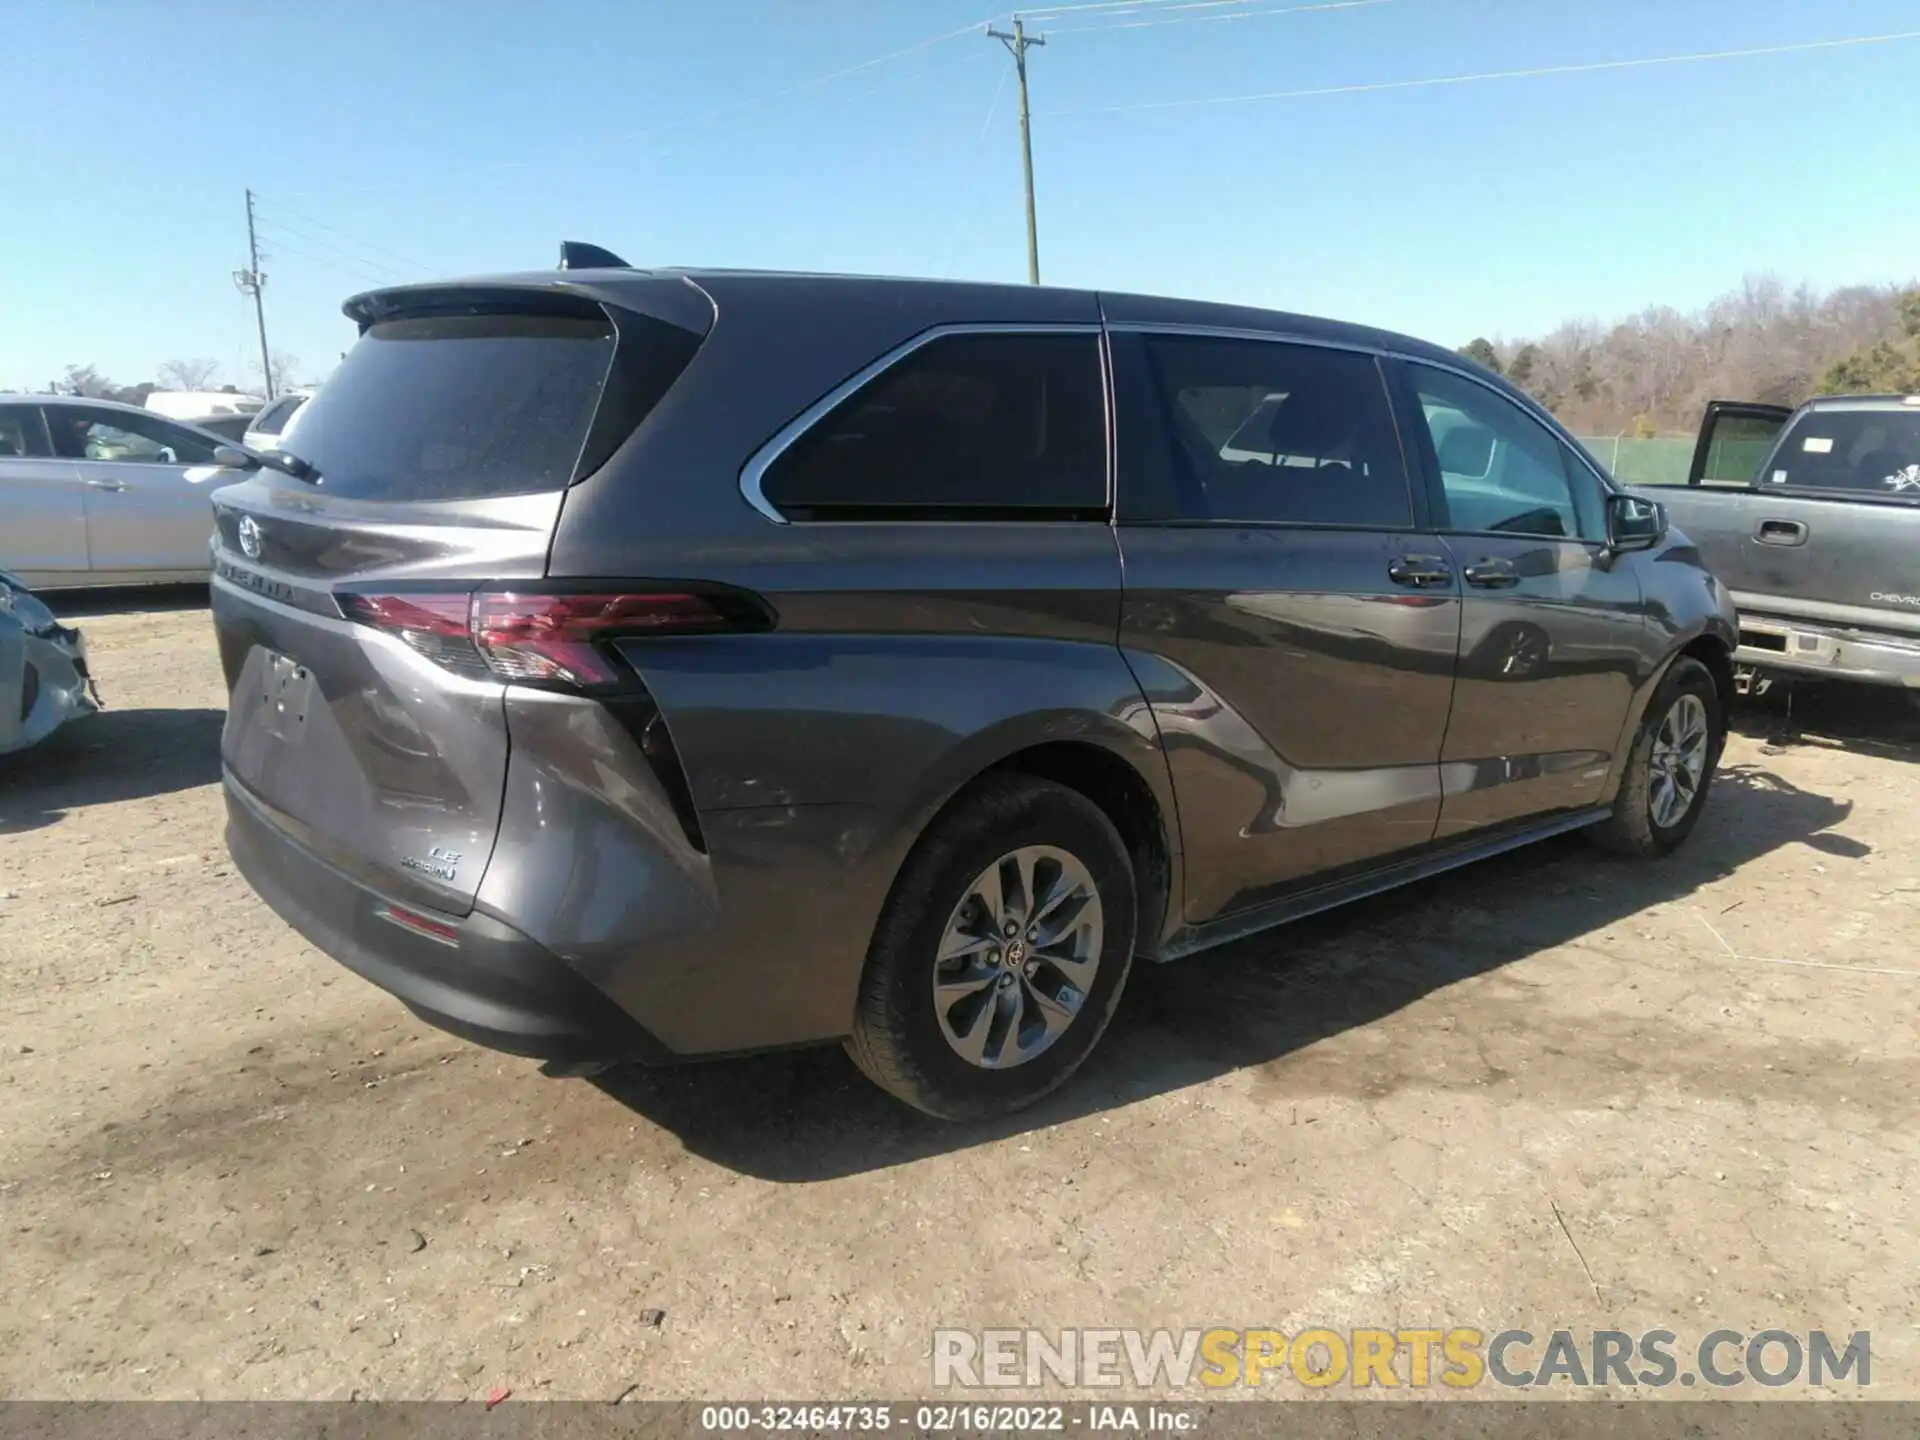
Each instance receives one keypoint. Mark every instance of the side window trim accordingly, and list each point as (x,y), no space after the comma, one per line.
(1383,361)
(754,472)
(1407,401)
(1418,439)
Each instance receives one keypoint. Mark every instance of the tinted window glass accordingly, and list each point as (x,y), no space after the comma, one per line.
(20,432)
(967,426)
(82,433)
(1876,451)
(1502,470)
(458,407)
(1265,432)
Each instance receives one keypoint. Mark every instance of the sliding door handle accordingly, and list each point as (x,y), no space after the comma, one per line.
(1420,572)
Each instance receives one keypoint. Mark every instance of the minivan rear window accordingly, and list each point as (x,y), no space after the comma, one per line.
(458,407)
(1869,451)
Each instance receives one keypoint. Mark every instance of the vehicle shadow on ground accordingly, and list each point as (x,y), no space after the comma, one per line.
(1875,720)
(115,755)
(71,605)
(808,1115)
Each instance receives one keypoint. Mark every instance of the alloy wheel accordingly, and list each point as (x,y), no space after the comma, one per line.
(1018,957)
(1678,761)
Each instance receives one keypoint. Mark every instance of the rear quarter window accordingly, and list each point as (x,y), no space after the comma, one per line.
(458,407)
(967,426)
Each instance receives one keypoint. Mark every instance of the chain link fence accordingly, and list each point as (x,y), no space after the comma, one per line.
(1662,460)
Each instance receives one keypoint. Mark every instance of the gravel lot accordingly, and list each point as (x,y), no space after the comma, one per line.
(1554,1090)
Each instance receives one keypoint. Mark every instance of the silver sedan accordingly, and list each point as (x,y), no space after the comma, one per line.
(94,493)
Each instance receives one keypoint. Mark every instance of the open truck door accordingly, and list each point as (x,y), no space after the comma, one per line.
(1735,437)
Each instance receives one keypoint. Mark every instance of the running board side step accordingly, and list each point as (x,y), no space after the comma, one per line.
(1191,939)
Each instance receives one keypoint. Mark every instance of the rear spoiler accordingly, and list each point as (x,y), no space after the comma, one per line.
(674,298)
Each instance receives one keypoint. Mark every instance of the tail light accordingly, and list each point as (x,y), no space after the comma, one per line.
(564,640)
(559,638)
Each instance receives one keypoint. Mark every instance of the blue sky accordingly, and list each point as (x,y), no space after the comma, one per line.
(407,139)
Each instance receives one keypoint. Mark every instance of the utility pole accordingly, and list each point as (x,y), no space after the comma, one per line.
(1017,44)
(251,282)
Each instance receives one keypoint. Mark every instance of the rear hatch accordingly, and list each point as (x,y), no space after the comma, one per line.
(366,718)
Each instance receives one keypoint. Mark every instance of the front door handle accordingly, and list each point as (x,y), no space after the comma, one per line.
(1420,572)
(104,484)
(1493,573)
(1781,532)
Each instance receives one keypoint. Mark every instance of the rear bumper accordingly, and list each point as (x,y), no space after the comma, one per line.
(44,681)
(1798,648)
(491,985)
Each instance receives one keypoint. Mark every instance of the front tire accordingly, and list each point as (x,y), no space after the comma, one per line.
(1670,766)
(1001,953)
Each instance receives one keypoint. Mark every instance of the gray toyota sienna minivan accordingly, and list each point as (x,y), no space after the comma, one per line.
(646,664)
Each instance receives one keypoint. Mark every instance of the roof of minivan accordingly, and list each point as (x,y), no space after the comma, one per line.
(1001,302)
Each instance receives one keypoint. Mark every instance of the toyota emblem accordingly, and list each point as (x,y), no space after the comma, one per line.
(250,537)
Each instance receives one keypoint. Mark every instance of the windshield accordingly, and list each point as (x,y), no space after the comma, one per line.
(1869,451)
(458,407)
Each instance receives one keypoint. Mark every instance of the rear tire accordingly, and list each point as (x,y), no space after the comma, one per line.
(1661,796)
(1007,1017)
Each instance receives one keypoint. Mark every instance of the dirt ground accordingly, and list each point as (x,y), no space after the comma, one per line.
(1553,1090)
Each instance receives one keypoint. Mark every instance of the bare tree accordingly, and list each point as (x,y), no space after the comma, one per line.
(88,381)
(196,374)
(284,367)
(1764,340)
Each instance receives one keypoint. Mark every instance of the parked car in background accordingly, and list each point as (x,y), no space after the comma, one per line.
(43,669)
(231,428)
(94,493)
(646,664)
(192,404)
(1812,518)
(268,430)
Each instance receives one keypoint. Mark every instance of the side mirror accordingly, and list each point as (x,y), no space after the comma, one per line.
(1634,523)
(232,457)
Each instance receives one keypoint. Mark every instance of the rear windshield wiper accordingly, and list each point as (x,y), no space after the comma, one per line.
(232,457)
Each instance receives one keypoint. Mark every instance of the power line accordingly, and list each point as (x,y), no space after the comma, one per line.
(359,274)
(368,245)
(700,118)
(364,261)
(798,87)
(1050,11)
(1543,70)
(972,188)
(1126,24)
(1127,9)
